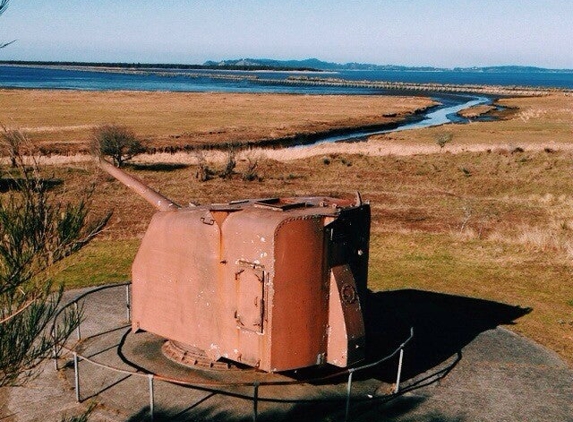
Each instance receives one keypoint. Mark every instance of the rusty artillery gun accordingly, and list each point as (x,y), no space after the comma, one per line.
(270,283)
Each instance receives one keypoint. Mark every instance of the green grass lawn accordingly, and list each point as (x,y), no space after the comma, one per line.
(101,262)
(483,269)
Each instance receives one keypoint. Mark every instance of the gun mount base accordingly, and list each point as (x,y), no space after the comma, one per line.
(193,357)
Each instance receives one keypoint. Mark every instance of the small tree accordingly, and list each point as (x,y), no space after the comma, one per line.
(117,142)
(36,230)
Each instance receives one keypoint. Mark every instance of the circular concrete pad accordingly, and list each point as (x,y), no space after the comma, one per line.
(460,367)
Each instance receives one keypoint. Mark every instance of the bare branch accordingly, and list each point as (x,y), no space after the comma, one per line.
(6,44)
(3,5)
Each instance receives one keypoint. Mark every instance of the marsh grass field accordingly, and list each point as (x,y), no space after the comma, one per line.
(61,122)
(489,215)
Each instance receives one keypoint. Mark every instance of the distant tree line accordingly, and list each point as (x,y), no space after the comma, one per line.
(157,66)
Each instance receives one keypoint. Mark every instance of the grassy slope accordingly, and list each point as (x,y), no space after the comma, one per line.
(503,233)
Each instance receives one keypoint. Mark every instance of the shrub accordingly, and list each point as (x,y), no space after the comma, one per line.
(230,163)
(37,230)
(117,142)
(11,144)
(204,172)
(443,139)
(250,174)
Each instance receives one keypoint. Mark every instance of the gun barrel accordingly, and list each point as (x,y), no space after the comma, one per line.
(159,201)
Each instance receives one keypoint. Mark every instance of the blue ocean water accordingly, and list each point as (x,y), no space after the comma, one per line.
(53,78)
(533,79)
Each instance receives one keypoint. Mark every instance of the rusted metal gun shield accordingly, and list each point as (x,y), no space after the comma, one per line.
(300,294)
(272,283)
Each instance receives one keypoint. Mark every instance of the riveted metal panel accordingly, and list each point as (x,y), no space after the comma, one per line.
(174,278)
(299,306)
(247,245)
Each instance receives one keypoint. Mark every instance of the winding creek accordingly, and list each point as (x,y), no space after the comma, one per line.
(445,113)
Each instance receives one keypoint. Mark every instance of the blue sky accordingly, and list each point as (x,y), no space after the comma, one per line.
(443,33)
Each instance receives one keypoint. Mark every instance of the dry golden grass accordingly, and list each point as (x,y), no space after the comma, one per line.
(537,121)
(62,121)
(502,230)
(483,218)
(534,123)
(476,111)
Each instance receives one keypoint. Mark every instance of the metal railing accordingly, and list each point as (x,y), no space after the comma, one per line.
(213,386)
(75,303)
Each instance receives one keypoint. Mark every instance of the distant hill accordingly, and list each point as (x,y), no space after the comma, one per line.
(286,65)
(311,64)
(509,69)
(316,64)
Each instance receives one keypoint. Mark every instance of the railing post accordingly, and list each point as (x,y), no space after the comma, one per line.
(127,303)
(77,377)
(397,388)
(55,354)
(151,397)
(255,401)
(79,333)
(348,390)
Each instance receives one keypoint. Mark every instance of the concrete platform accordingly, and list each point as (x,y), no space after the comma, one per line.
(460,366)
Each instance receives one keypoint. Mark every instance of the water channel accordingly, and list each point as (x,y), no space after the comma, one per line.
(445,113)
